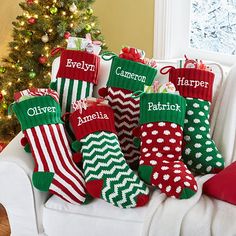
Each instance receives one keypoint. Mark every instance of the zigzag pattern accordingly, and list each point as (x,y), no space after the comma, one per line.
(103,159)
(126,110)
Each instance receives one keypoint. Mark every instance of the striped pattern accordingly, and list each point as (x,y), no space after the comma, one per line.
(36,92)
(51,153)
(126,111)
(71,90)
(103,159)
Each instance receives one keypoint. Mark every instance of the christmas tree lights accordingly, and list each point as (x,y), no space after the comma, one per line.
(43,26)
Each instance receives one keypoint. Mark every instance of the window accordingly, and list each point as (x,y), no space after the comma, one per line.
(199,28)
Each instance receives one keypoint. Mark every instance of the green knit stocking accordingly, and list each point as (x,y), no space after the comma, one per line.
(107,175)
(200,153)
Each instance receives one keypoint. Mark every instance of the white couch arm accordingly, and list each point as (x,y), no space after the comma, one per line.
(225,125)
(23,203)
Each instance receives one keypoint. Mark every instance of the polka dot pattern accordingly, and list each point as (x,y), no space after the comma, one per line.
(173,181)
(161,150)
(200,153)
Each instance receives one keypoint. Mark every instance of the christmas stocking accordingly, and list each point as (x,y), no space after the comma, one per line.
(161,133)
(107,175)
(76,77)
(39,114)
(200,153)
(126,77)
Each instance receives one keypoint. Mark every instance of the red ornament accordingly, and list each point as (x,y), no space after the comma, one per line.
(1,97)
(32,20)
(67,35)
(43,60)
(30,2)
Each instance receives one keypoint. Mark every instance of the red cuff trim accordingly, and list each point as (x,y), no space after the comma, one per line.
(93,119)
(79,65)
(193,83)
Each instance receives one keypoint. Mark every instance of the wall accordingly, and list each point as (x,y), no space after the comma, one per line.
(122,22)
(127,22)
(9,9)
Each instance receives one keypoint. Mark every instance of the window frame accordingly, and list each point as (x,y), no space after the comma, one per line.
(172,32)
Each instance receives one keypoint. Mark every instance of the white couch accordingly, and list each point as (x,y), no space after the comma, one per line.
(32,212)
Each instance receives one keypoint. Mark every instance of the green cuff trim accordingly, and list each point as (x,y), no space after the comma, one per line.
(130,75)
(37,111)
(166,107)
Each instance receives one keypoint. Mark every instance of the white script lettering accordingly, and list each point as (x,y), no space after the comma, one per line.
(95,116)
(80,65)
(161,107)
(35,111)
(130,75)
(192,83)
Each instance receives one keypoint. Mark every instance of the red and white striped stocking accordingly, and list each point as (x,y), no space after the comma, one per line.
(39,114)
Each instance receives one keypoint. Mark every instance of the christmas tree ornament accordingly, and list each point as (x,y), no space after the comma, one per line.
(53,10)
(73,8)
(200,153)
(42,59)
(119,92)
(4,106)
(45,38)
(32,20)
(161,133)
(17,65)
(29,33)
(88,27)
(60,4)
(2,69)
(32,74)
(41,124)
(66,35)
(1,96)
(89,11)
(107,176)
(30,2)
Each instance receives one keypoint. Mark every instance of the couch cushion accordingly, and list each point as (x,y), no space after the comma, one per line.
(96,218)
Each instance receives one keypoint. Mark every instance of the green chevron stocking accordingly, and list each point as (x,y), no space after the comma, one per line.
(107,175)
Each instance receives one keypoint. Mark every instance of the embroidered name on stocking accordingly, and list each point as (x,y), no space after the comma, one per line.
(35,111)
(192,83)
(95,116)
(82,65)
(163,107)
(130,75)
(79,65)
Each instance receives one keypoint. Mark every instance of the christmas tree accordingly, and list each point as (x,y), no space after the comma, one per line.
(43,26)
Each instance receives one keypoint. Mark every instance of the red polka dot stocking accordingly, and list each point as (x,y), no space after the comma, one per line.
(161,133)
